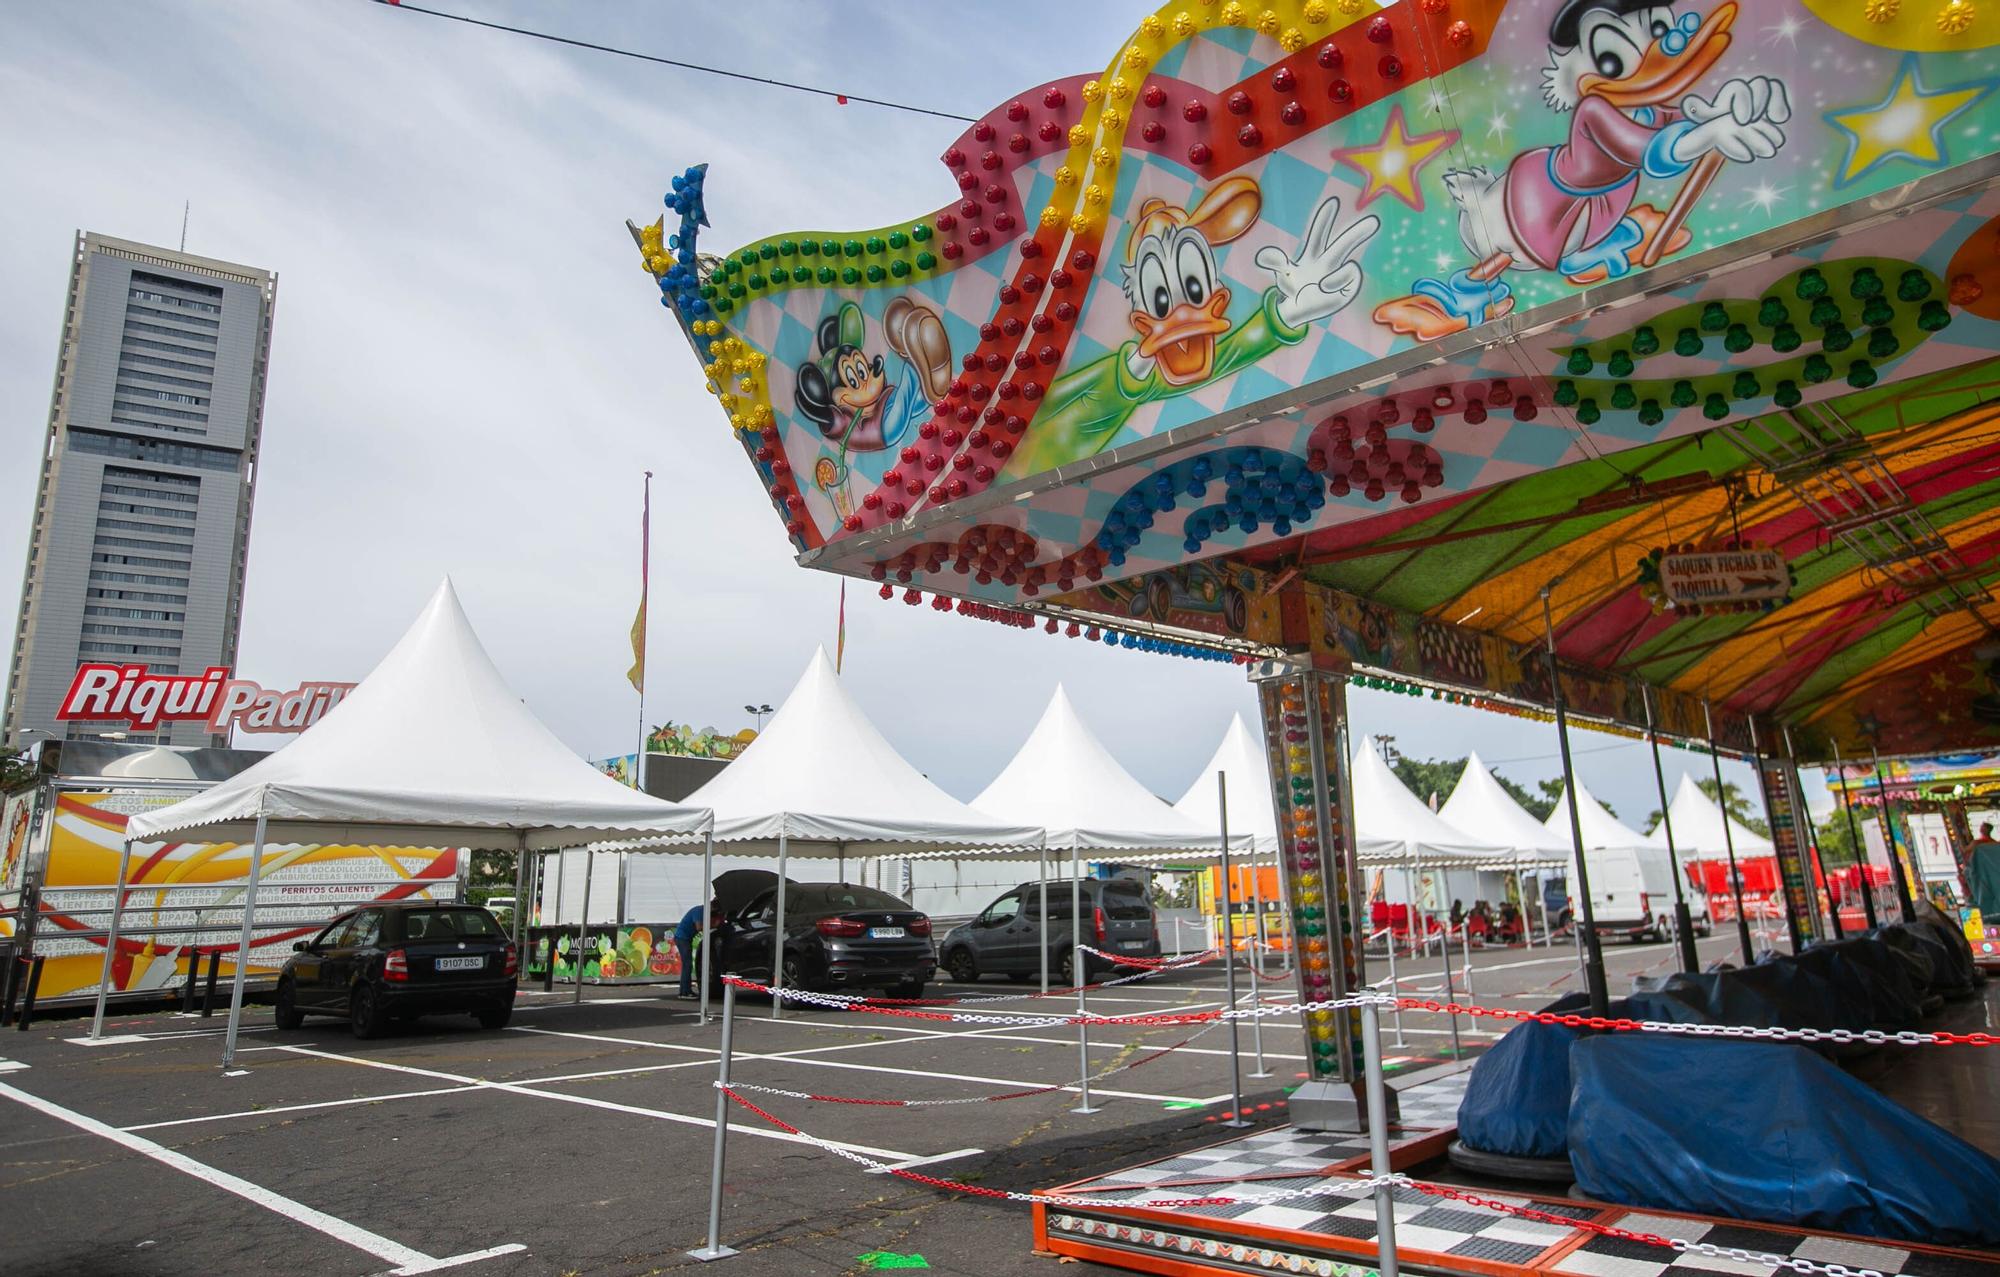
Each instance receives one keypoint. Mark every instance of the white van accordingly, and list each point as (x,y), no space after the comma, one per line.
(1632,894)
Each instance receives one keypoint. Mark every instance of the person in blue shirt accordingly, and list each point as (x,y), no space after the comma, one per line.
(684,934)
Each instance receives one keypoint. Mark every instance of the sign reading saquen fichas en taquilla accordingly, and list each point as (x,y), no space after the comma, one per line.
(142,701)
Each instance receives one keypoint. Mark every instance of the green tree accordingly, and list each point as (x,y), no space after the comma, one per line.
(1836,841)
(491,874)
(15,772)
(1538,805)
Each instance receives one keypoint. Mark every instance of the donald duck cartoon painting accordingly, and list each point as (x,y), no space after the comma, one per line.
(1624,72)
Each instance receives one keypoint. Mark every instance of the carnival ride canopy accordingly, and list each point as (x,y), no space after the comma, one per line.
(1697,821)
(432,749)
(1065,781)
(1398,826)
(822,777)
(1479,802)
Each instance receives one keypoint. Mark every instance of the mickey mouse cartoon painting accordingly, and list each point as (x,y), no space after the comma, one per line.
(1624,72)
(1182,334)
(856,401)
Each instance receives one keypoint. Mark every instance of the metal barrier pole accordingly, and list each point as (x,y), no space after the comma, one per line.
(1465,940)
(1378,1141)
(208,986)
(111,942)
(707,972)
(9,979)
(1395,988)
(1042,872)
(1450,994)
(1079,974)
(34,987)
(1226,912)
(715,1249)
(1257,971)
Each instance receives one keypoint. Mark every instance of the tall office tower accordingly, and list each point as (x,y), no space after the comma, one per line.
(141,521)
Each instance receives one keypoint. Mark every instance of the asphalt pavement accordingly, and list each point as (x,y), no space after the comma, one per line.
(578,1140)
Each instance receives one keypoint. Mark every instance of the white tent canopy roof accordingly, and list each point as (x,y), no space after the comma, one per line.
(824,777)
(1395,823)
(1064,780)
(1240,758)
(1601,829)
(1697,821)
(1479,802)
(432,749)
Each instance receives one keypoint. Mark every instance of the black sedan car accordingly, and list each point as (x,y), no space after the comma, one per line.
(398,960)
(837,935)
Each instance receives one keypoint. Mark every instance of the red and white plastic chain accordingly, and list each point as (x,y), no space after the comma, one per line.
(813,998)
(1148,1058)
(1876,1036)
(1321,1187)
(1151,964)
(857,999)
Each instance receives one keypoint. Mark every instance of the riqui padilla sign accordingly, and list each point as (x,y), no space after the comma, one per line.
(130,695)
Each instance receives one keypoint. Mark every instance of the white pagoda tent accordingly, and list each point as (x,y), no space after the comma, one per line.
(1697,821)
(432,749)
(1601,830)
(1398,828)
(1480,802)
(821,781)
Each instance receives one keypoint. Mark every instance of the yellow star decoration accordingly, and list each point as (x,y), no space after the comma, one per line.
(1393,161)
(1907,124)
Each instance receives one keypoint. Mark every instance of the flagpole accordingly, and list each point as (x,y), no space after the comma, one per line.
(639,657)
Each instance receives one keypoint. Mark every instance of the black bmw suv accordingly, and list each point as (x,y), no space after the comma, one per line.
(401,959)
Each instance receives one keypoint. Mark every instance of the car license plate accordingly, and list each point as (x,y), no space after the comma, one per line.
(886,933)
(1132,944)
(461,964)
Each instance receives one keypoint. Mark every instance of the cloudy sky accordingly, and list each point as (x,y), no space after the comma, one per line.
(470,372)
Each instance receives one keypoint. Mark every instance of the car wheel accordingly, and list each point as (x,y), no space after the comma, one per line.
(1066,967)
(286,1008)
(364,1013)
(496,1015)
(795,974)
(962,965)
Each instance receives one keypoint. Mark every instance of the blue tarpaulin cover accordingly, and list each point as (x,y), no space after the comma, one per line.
(1759,1131)
(1517,1099)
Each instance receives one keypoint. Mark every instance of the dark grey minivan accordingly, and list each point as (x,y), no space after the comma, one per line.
(1006,937)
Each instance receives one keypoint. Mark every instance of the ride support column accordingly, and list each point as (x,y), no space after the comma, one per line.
(1306,740)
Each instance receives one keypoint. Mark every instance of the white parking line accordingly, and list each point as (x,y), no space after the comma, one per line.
(519,1088)
(300,1108)
(408,1260)
(915,1162)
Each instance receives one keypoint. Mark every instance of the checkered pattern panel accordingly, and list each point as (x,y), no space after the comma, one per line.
(1619,1257)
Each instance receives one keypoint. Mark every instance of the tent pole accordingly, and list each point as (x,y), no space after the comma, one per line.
(1042,867)
(1889,832)
(1593,956)
(1078,972)
(583,924)
(521,881)
(1728,838)
(243,941)
(111,942)
(707,912)
(778,935)
(1683,919)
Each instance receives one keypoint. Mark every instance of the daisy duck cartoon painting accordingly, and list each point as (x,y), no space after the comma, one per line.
(1625,73)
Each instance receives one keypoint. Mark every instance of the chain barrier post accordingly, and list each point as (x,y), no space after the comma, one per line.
(1450,993)
(111,942)
(1396,989)
(1591,951)
(715,1249)
(1378,1140)
(1225,912)
(1728,842)
(1079,974)
(1257,967)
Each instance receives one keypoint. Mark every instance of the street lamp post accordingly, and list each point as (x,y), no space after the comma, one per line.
(758,712)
